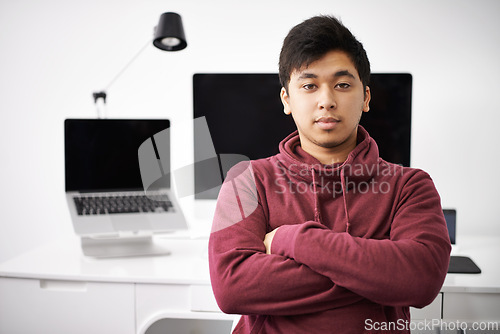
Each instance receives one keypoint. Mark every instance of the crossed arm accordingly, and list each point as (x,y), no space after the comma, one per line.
(254,271)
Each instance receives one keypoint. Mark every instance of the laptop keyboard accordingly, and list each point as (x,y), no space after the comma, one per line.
(111,204)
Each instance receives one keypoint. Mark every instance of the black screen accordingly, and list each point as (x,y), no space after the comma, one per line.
(102,154)
(243,112)
(245,116)
(389,118)
(450,215)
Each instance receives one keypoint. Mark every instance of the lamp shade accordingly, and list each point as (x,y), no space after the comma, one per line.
(169,33)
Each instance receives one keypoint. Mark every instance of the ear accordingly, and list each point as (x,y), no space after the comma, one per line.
(366,102)
(285,99)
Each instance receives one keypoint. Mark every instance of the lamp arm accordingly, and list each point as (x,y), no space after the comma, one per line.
(128,64)
(102,94)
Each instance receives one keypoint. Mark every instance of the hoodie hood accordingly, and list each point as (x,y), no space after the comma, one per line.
(360,166)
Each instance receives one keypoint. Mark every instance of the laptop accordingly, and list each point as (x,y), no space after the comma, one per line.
(116,196)
(459,263)
(450,216)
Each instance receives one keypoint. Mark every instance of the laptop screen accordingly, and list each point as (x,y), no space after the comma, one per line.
(450,215)
(102,154)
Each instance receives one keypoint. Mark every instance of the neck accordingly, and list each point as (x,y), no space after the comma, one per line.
(327,156)
(330,155)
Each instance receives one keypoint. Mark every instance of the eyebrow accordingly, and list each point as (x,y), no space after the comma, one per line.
(344,73)
(338,74)
(307,76)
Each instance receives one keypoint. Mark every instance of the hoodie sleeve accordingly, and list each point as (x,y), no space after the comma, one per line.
(245,279)
(408,269)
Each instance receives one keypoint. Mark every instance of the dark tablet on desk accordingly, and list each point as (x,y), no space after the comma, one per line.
(462,265)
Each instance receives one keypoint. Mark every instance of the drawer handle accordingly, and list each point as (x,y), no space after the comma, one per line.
(58,285)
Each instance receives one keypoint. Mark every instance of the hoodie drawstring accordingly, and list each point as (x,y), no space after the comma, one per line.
(317,215)
(344,195)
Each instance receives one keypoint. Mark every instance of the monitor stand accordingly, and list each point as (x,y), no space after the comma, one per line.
(106,247)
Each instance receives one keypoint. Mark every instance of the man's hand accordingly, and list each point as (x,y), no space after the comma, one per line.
(268,240)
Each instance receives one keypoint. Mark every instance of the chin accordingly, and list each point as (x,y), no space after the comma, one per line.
(329,144)
(330,140)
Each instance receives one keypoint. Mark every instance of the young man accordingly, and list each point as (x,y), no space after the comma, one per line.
(326,237)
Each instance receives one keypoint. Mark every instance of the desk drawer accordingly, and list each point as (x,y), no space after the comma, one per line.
(203,299)
(186,298)
(46,306)
(157,301)
(471,306)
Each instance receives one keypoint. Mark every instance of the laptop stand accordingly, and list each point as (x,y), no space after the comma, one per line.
(105,247)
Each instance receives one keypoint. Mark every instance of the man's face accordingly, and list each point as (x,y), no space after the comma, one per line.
(326,101)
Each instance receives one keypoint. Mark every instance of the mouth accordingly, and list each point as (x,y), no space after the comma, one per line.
(327,122)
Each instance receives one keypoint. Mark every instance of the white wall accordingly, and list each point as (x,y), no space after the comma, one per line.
(55,53)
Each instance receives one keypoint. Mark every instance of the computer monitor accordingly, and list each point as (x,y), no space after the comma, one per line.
(245,116)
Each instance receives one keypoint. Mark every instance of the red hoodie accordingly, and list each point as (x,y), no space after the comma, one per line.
(358,243)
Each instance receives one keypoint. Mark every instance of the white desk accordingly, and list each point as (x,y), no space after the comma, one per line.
(55,289)
(470,296)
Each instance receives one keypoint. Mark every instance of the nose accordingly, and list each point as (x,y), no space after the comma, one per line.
(326,99)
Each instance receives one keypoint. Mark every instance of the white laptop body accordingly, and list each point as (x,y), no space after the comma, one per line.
(103,165)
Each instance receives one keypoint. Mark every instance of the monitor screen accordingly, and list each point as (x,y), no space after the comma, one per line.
(245,116)
(389,118)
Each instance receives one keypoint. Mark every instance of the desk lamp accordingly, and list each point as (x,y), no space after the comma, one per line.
(168,36)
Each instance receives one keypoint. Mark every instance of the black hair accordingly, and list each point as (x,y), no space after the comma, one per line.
(312,39)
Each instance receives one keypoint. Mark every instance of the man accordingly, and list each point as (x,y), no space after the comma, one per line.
(326,237)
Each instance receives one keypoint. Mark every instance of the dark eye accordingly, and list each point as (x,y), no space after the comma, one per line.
(309,86)
(343,85)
